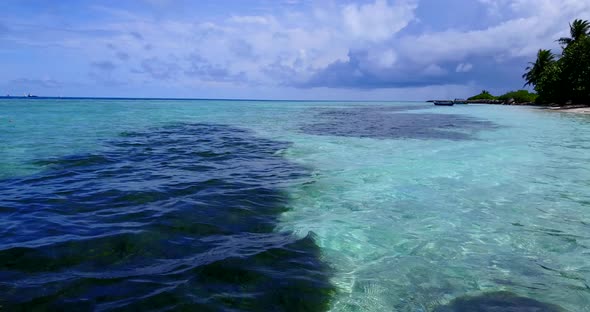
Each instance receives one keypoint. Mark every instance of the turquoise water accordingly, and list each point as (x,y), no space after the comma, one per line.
(411,205)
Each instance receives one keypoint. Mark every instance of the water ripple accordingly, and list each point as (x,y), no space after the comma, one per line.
(180,217)
(390,123)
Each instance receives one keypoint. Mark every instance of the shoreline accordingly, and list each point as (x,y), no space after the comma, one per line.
(576,110)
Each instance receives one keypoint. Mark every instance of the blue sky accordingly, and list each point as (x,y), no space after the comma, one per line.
(275,49)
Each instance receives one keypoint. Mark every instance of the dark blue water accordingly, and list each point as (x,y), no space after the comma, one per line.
(180,217)
(391,123)
(500,301)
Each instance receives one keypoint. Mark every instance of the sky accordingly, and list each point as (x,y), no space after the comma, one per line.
(276,49)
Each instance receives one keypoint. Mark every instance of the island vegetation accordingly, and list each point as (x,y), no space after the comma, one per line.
(557,79)
(512,97)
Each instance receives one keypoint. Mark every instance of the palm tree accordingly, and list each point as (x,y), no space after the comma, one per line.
(535,70)
(578,30)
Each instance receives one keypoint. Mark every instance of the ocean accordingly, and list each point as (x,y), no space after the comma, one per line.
(215,205)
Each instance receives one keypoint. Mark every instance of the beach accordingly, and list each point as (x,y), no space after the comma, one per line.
(576,110)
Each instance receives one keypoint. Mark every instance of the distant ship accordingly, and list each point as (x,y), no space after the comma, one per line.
(30,96)
(444,103)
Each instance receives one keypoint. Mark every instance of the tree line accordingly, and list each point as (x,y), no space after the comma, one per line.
(520,96)
(563,78)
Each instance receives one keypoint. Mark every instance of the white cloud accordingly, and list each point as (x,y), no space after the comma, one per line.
(535,27)
(262,20)
(433,70)
(384,59)
(378,21)
(464,67)
(282,47)
(298,44)
(494,7)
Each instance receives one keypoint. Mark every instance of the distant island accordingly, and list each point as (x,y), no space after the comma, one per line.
(26,96)
(522,97)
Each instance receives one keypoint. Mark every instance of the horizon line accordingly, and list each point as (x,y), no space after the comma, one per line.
(185,99)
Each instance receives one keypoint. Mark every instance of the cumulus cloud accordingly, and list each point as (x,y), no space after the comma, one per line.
(373,45)
(538,24)
(281,49)
(383,58)
(159,69)
(439,56)
(207,71)
(361,72)
(378,21)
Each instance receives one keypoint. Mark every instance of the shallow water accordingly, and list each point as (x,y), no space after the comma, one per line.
(290,205)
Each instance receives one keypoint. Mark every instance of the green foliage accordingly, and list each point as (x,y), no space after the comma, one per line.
(578,30)
(566,79)
(549,85)
(520,96)
(534,71)
(484,95)
(575,64)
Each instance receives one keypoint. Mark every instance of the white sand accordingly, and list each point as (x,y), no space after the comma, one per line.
(579,110)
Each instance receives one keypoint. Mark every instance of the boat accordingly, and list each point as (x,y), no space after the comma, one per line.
(444,103)
(460,101)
